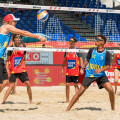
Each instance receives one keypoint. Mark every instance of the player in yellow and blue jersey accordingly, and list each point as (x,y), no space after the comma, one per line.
(97,62)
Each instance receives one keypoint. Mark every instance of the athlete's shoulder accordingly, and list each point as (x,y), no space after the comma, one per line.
(91,49)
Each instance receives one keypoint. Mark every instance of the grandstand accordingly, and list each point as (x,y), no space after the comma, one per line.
(62,25)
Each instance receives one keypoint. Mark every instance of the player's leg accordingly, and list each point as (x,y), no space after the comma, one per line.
(8,92)
(5,83)
(67,92)
(76,96)
(76,81)
(68,80)
(116,78)
(12,81)
(29,90)
(85,84)
(14,88)
(110,90)
(24,78)
(104,82)
(5,78)
(76,89)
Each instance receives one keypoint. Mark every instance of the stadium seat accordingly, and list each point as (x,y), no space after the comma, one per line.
(83,39)
(117,38)
(72,32)
(65,32)
(50,35)
(62,37)
(69,36)
(55,37)
(77,36)
(111,38)
(66,27)
(83,17)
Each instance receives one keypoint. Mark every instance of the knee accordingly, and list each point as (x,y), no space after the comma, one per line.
(67,84)
(12,84)
(111,91)
(27,84)
(115,82)
(7,82)
(81,90)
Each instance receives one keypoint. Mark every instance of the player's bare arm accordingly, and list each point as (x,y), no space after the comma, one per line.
(13,29)
(107,67)
(64,63)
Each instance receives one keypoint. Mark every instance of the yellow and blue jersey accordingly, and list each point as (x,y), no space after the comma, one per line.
(96,61)
(4,41)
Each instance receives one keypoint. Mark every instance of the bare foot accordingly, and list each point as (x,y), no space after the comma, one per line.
(67,101)
(3,103)
(31,102)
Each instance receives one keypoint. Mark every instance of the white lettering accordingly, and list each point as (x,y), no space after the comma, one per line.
(36,56)
(27,56)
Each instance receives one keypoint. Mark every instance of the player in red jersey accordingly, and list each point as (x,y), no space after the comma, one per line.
(72,60)
(116,61)
(17,68)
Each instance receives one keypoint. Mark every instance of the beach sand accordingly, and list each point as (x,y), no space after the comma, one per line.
(49,104)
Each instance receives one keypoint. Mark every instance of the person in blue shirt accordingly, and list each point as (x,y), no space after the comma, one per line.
(6,29)
(97,62)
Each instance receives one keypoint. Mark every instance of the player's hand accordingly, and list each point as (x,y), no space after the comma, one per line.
(42,39)
(81,71)
(98,71)
(62,72)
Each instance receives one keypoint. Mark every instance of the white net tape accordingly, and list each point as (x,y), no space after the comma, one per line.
(4,5)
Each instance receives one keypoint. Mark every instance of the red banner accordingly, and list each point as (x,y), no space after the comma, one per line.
(45,76)
(58,44)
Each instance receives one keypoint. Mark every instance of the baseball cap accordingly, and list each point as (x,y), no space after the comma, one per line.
(10,17)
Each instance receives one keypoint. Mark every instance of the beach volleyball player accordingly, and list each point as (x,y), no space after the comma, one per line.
(116,62)
(72,60)
(97,62)
(17,67)
(6,29)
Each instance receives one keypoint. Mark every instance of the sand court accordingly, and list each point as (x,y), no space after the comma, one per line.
(49,104)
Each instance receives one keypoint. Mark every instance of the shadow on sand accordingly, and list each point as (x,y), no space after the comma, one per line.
(89,108)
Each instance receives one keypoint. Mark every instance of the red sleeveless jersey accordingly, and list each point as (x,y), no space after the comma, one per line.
(117,61)
(72,61)
(17,63)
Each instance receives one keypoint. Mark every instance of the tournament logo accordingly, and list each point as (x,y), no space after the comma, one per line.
(17,61)
(71,64)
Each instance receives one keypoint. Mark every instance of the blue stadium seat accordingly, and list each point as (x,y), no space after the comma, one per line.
(83,17)
(55,37)
(77,36)
(50,35)
(111,37)
(66,27)
(62,37)
(69,36)
(83,40)
(117,38)
(72,32)
(65,32)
